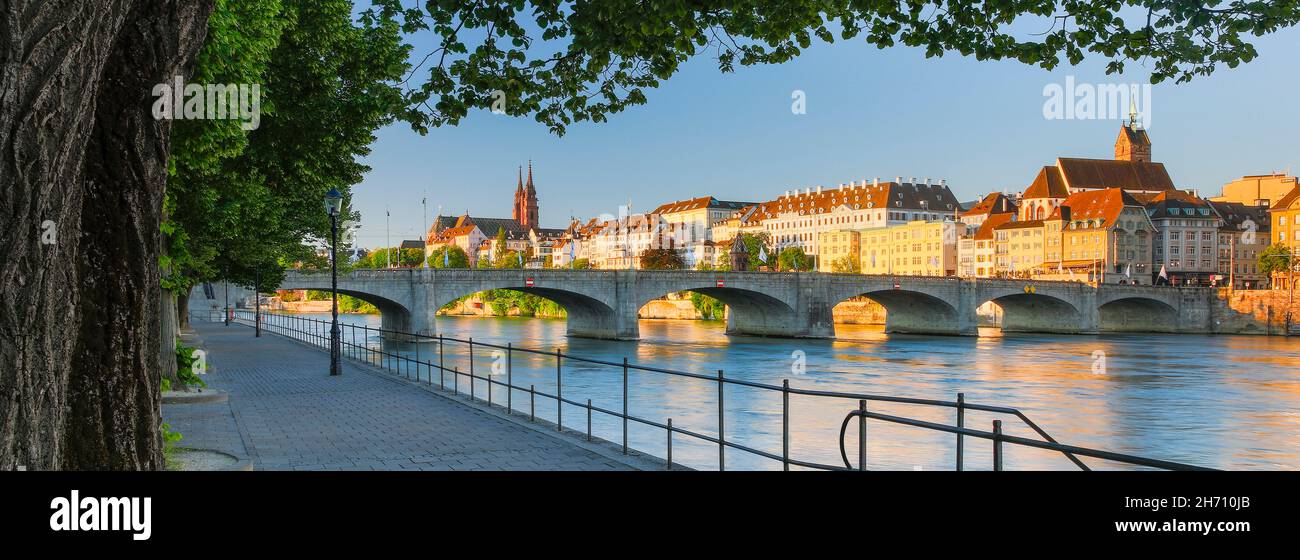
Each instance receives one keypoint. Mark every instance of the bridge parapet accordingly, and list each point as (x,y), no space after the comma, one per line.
(604,303)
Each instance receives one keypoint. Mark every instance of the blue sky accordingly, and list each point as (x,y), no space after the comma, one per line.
(870,113)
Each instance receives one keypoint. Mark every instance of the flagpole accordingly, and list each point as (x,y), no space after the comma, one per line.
(388,242)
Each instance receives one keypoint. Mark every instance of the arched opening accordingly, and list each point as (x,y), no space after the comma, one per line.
(393,316)
(746,312)
(1029,312)
(586,316)
(899,311)
(1138,314)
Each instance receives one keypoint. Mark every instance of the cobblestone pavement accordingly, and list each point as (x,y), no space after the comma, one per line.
(286,413)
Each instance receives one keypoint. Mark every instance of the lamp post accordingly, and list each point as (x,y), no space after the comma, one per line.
(226,293)
(333,203)
(257,303)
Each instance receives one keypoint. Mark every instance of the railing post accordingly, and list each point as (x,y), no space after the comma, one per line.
(442,382)
(670,444)
(471,368)
(785,424)
(417,358)
(862,435)
(455,380)
(532,403)
(961,423)
(510,377)
(722,438)
(997,445)
(588,419)
(559,394)
(625,405)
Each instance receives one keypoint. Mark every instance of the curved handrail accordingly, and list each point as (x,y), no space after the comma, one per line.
(1070,451)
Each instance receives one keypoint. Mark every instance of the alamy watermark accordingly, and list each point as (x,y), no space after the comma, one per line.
(1113,101)
(181,101)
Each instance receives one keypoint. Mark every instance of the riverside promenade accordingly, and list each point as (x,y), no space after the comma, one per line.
(285,412)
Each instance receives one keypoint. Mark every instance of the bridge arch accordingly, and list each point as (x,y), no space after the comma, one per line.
(395,312)
(909,311)
(1138,314)
(749,311)
(589,314)
(1027,312)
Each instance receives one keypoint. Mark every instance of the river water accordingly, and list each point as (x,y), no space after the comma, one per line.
(1230,402)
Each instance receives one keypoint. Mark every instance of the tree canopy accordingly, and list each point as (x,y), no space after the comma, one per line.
(793,259)
(1275,258)
(244,202)
(661,259)
(565,62)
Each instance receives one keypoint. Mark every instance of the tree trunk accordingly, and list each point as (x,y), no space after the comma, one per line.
(183,310)
(82,174)
(168,330)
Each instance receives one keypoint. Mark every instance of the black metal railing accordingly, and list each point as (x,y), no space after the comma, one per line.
(316,332)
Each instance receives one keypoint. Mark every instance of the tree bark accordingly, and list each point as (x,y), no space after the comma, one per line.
(82,174)
(183,310)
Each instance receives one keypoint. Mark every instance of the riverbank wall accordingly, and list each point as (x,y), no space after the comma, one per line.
(1274,312)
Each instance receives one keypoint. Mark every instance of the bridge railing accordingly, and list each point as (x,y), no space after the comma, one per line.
(354,343)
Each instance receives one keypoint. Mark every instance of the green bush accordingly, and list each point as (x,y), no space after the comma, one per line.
(185,366)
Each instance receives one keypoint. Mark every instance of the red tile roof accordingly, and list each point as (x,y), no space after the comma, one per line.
(698,203)
(1047,184)
(909,196)
(1080,173)
(992,223)
(993,203)
(1102,204)
(1287,199)
(1075,174)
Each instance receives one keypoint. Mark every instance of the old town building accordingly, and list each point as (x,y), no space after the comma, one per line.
(1106,236)
(1243,235)
(797,218)
(1187,231)
(1131,170)
(1257,190)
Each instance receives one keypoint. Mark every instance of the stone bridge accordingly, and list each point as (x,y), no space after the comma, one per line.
(604,303)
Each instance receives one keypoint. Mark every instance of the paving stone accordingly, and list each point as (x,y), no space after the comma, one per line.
(286,412)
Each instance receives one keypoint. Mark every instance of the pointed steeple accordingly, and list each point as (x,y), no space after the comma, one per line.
(520,188)
(531,189)
(1133,113)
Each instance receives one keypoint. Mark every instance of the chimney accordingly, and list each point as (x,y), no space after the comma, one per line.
(819,188)
(787,194)
(912,180)
(875,182)
(927,180)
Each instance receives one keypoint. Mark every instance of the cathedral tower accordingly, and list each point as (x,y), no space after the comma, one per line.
(525,207)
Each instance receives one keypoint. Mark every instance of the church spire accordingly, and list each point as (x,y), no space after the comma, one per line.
(530,177)
(520,188)
(1133,114)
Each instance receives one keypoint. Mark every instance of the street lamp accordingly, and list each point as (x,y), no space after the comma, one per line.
(333,204)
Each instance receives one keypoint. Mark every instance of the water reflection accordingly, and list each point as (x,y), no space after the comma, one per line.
(1219,401)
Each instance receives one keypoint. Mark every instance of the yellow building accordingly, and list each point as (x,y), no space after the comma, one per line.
(1106,237)
(1258,190)
(1018,250)
(917,248)
(1285,215)
(839,251)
